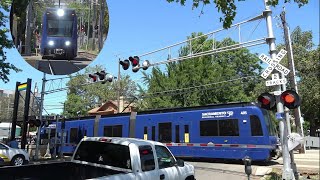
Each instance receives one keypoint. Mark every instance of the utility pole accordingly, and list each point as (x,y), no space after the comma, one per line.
(88,28)
(40,114)
(94,23)
(287,172)
(119,86)
(292,74)
(101,20)
(28,29)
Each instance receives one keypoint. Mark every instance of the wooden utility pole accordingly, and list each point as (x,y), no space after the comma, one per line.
(292,80)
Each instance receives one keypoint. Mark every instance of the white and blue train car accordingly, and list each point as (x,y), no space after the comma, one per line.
(227,131)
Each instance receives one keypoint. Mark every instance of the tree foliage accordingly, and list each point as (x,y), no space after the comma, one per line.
(220,78)
(307,64)
(5,43)
(228,8)
(80,98)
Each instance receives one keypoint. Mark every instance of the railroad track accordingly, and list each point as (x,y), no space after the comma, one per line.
(87,55)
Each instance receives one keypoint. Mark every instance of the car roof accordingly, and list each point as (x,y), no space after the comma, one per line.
(123,141)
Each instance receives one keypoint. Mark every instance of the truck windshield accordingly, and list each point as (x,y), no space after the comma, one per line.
(104,153)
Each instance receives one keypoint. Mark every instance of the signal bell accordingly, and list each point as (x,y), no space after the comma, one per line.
(267,101)
(290,99)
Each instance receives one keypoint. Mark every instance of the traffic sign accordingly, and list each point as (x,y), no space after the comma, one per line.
(276,80)
(274,64)
(22,87)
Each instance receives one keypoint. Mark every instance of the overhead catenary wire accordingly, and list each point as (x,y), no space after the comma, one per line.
(194,87)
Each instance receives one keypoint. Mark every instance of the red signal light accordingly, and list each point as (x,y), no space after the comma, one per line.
(267,101)
(290,99)
(93,77)
(134,60)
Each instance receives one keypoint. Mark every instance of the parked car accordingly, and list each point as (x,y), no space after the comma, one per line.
(13,156)
(110,158)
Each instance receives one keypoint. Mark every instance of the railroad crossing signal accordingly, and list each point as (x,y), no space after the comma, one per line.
(125,64)
(135,63)
(289,98)
(101,76)
(274,64)
(267,101)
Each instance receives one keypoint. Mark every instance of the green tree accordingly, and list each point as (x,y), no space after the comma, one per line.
(219,78)
(80,99)
(5,43)
(228,7)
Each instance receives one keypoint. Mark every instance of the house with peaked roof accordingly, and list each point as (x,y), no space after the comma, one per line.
(111,107)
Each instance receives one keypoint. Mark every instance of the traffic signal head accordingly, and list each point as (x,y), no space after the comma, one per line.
(93,77)
(290,99)
(267,101)
(125,64)
(101,74)
(145,65)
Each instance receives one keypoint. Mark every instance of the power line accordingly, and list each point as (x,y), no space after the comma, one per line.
(194,87)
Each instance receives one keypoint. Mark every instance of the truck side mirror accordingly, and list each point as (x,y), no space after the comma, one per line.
(180,162)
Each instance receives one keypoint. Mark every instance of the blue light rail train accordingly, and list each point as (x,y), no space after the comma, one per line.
(228,131)
(59,34)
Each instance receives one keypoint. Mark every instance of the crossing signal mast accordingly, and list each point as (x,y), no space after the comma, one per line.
(101,76)
(135,64)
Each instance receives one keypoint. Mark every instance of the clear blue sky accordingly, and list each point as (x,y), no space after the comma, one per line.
(137,27)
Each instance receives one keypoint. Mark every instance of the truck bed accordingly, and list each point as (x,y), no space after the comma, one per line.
(55,171)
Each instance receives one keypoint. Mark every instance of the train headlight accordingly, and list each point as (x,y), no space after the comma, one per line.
(60,12)
(51,43)
(67,43)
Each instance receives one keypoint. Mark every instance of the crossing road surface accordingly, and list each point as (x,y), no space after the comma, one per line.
(60,66)
(233,170)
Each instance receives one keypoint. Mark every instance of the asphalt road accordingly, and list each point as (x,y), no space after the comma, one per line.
(60,66)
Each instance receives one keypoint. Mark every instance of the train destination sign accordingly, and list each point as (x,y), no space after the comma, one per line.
(274,64)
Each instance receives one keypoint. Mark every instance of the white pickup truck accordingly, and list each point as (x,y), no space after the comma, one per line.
(109,158)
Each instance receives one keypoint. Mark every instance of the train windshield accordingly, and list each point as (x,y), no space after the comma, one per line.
(60,28)
(270,125)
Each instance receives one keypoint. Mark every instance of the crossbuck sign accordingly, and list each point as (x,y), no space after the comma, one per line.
(274,64)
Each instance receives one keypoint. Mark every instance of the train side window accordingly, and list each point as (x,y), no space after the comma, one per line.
(153,135)
(73,135)
(146,158)
(177,134)
(209,128)
(112,131)
(107,131)
(228,127)
(165,133)
(117,131)
(256,129)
